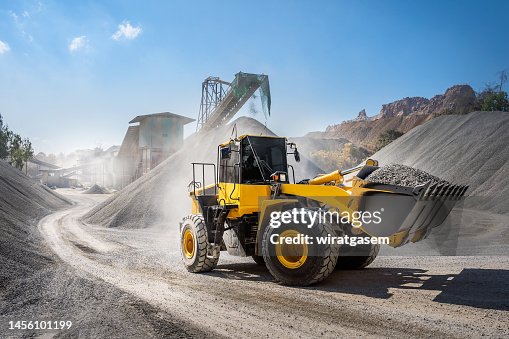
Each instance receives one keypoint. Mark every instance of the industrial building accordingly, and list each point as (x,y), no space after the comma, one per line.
(149,140)
(61,177)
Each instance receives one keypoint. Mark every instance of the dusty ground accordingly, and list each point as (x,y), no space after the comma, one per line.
(396,296)
(35,284)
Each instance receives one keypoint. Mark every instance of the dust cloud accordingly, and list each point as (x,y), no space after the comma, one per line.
(160,199)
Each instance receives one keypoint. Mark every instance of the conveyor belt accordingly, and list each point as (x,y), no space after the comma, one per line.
(241,89)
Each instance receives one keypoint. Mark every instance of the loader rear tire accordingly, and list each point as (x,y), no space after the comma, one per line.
(193,245)
(306,265)
(356,262)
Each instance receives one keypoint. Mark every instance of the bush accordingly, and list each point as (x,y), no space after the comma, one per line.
(447,111)
(492,97)
(494,101)
(386,138)
(4,139)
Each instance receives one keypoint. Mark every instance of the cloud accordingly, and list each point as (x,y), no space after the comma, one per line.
(78,43)
(21,22)
(125,30)
(4,47)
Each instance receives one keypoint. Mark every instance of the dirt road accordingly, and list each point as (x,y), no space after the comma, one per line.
(396,296)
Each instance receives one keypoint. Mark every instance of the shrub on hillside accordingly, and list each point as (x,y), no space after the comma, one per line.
(348,156)
(495,101)
(386,138)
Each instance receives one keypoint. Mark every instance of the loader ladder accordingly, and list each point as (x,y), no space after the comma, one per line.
(214,212)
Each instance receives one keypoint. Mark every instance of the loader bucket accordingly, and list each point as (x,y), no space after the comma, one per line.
(408,214)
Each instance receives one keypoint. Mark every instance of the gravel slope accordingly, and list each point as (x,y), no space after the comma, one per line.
(463,149)
(22,203)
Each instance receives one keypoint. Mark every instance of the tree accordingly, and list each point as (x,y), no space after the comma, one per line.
(4,139)
(386,138)
(27,152)
(493,97)
(12,147)
(502,76)
(16,151)
(495,101)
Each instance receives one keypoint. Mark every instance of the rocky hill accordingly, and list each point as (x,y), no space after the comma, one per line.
(346,144)
(403,107)
(330,154)
(366,133)
(459,99)
(402,115)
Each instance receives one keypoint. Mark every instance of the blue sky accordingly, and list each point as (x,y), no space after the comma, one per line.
(73,73)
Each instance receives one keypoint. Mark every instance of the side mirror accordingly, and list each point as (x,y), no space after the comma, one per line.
(296,154)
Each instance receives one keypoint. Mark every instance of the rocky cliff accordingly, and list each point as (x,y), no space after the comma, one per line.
(403,115)
(403,107)
(459,99)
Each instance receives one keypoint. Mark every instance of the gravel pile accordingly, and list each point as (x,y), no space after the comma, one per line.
(462,149)
(160,198)
(402,175)
(96,189)
(23,202)
(36,284)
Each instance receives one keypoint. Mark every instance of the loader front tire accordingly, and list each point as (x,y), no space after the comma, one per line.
(299,265)
(193,245)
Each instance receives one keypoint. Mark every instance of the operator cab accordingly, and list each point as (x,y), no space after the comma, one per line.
(255,160)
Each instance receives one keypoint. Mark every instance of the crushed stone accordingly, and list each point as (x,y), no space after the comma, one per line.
(396,174)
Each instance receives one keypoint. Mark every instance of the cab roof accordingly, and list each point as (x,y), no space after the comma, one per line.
(239,138)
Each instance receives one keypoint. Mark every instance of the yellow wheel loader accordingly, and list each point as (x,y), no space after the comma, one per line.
(300,231)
